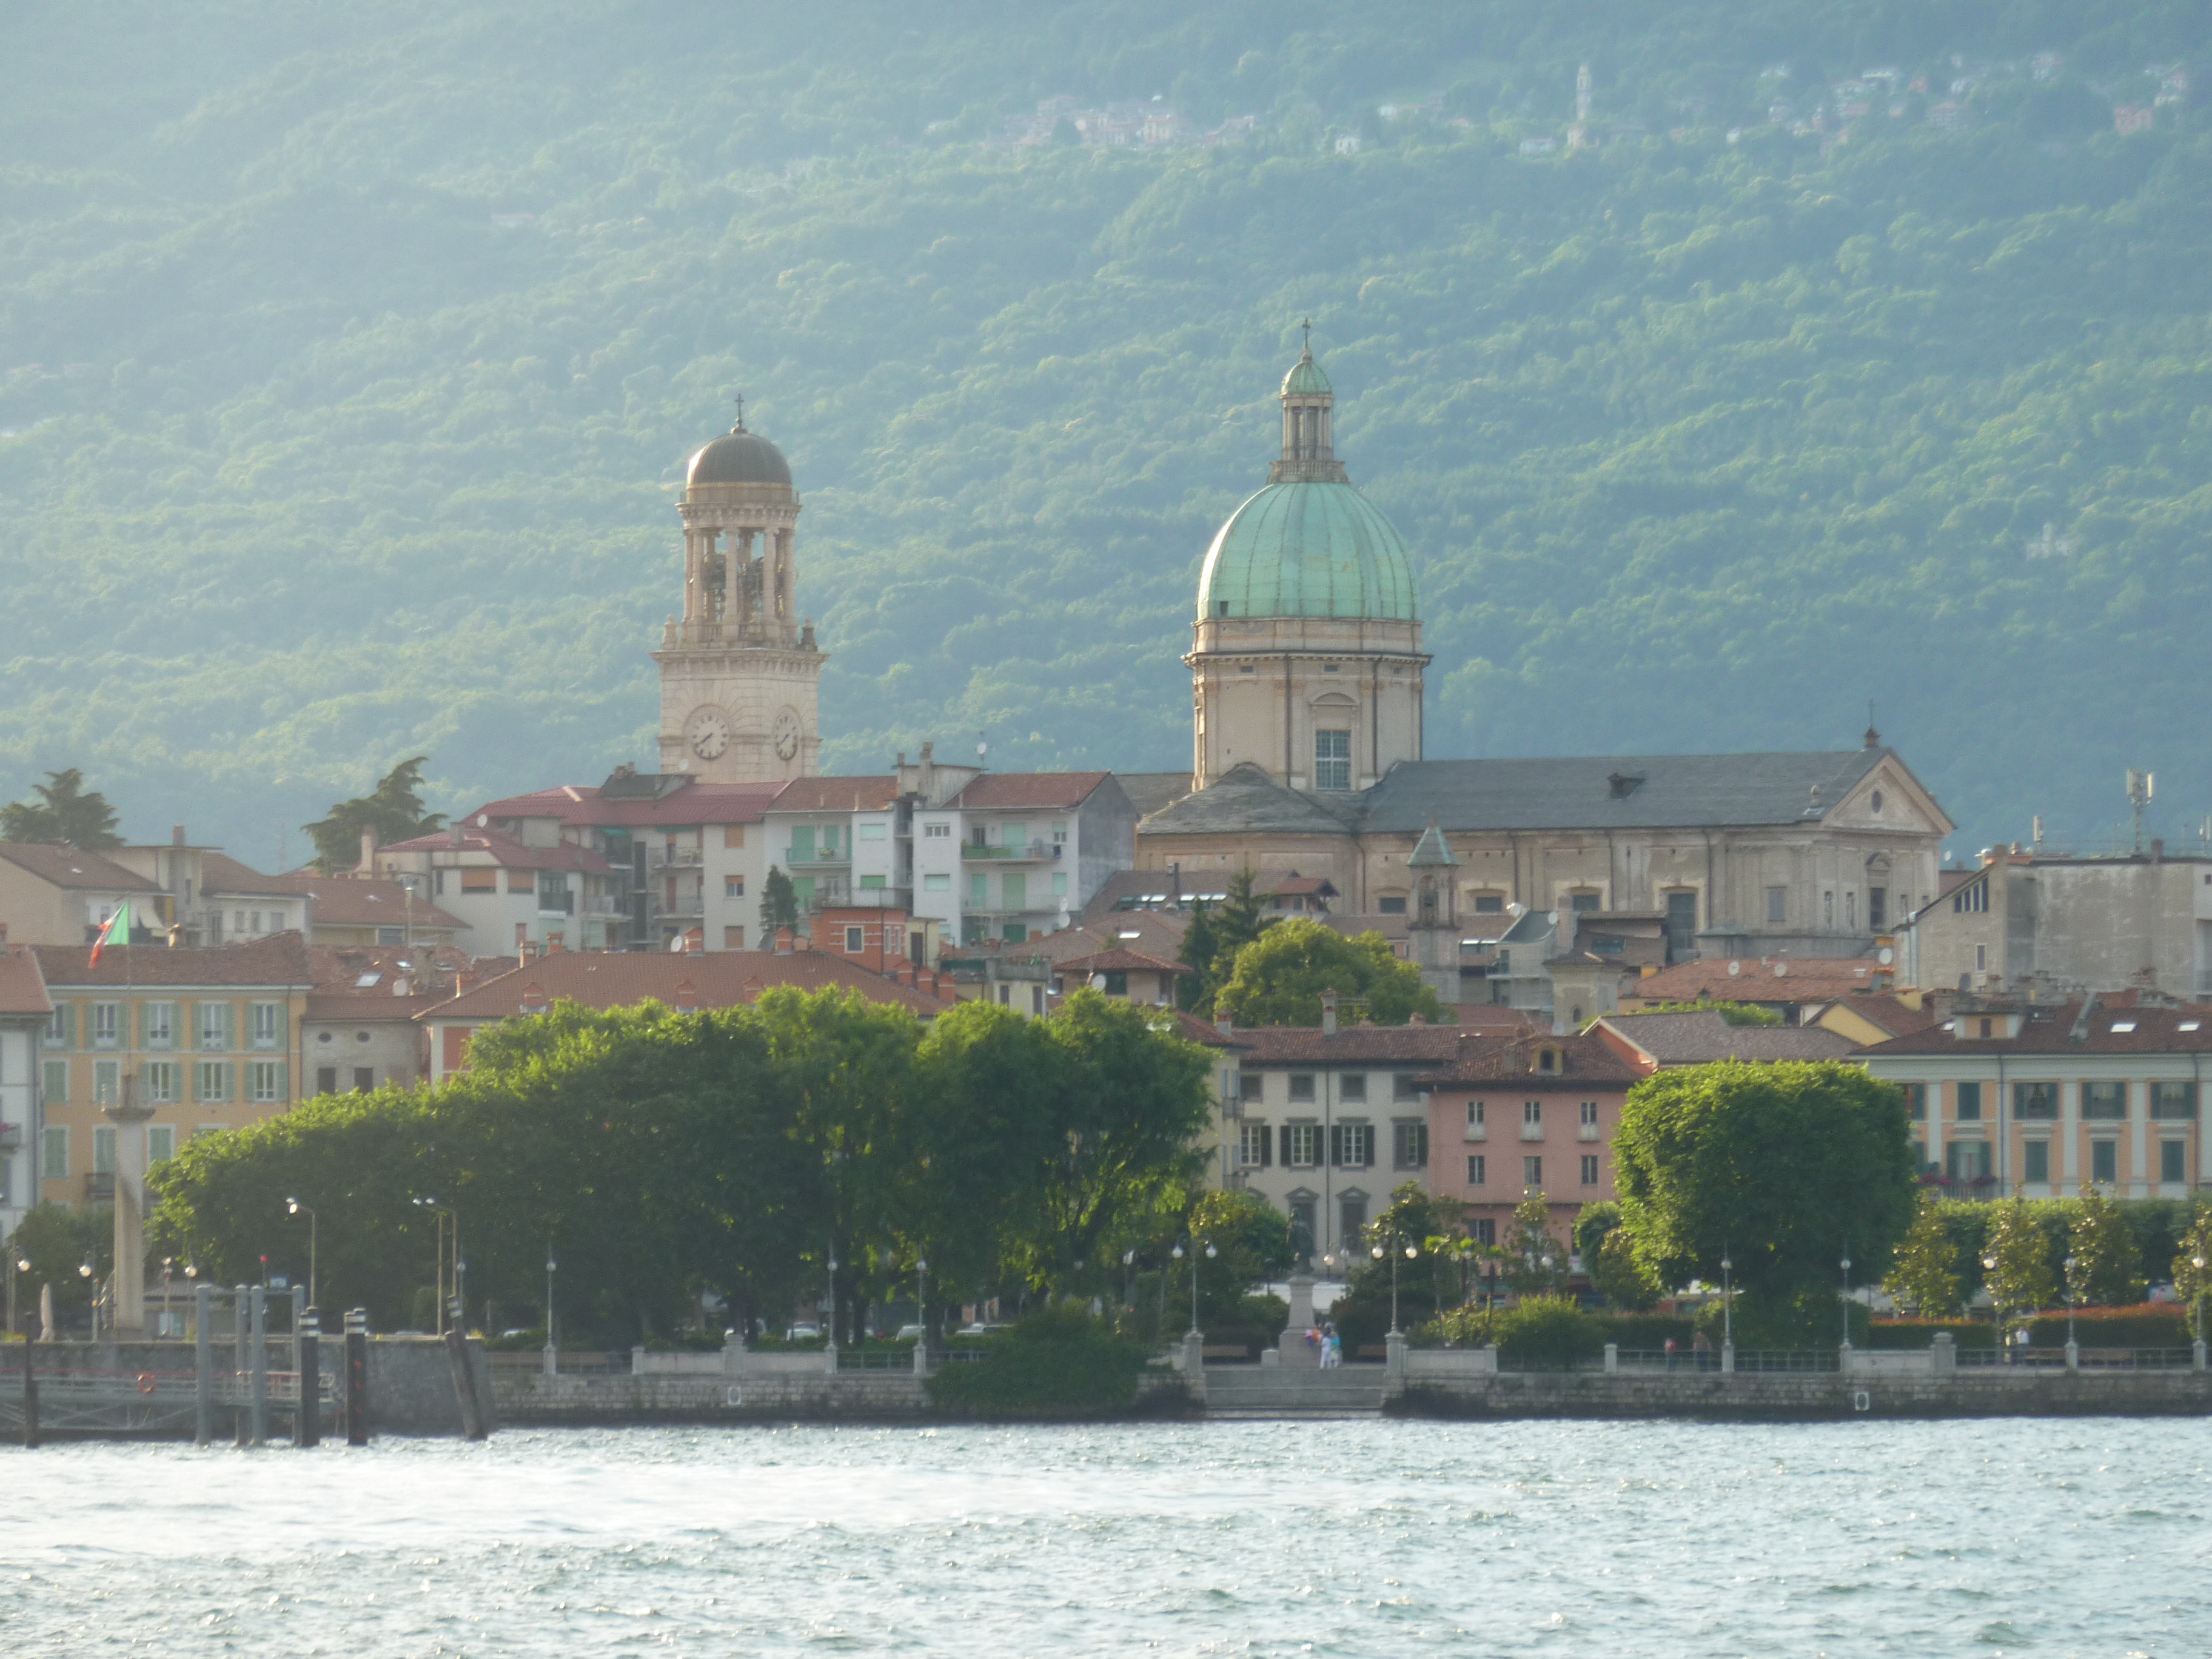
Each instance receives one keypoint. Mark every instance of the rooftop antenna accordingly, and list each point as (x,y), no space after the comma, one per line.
(2140,785)
(981,748)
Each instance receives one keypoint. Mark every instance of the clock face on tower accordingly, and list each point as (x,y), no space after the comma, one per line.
(787,734)
(708,732)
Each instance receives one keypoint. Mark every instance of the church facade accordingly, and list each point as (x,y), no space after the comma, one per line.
(740,677)
(1307,676)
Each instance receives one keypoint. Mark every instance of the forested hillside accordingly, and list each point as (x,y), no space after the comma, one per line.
(348,360)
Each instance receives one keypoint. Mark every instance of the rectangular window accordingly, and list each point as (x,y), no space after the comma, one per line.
(1253,1084)
(978,892)
(1877,909)
(58,1024)
(1532,1113)
(734,835)
(214,1026)
(157,1024)
(480,879)
(1777,903)
(1401,1087)
(2104,1161)
(2037,1162)
(2173,1165)
(161,1082)
(1580,902)
(872,884)
(53,1155)
(161,1142)
(2102,1100)
(1489,904)
(103,1150)
(1014,836)
(1970,1102)
(1477,1169)
(1332,759)
(1302,1087)
(2036,1101)
(106,1024)
(1589,1114)
(1474,1120)
(937,832)
(268,1025)
(1255,1147)
(211,1081)
(1532,1174)
(107,1082)
(1060,884)
(936,884)
(1302,1145)
(522,881)
(1409,1146)
(733,939)
(1351,1145)
(855,942)
(873,831)
(206,1129)
(733,887)
(55,1089)
(2174,1101)
(326,1079)
(264,1080)
(1915,1102)
(1351,1087)
(1828,908)
(1392,904)
(1485,1232)
(1589,1169)
(364,1078)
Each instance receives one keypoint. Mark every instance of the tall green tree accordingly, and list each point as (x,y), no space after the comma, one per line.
(65,814)
(2103,1267)
(779,905)
(2192,1266)
(1784,1168)
(1279,978)
(2021,1281)
(1535,1259)
(392,811)
(1924,1276)
(1201,945)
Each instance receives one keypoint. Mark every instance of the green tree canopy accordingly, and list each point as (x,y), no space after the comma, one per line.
(1786,1169)
(1279,978)
(2016,1267)
(778,904)
(2102,1264)
(65,814)
(1924,1276)
(1734,1013)
(392,811)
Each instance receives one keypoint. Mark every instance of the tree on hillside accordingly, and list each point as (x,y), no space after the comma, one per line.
(1279,978)
(65,814)
(1925,1276)
(1785,1169)
(392,811)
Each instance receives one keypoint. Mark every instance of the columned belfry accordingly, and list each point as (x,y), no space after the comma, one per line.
(1307,659)
(740,673)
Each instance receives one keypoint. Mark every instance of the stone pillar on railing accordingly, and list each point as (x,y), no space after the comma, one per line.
(1942,1355)
(637,1361)
(1728,1359)
(2073,1355)
(830,1356)
(2197,1352)
(1192,1360)
(1486,1358)
(922,1356)
(737,1359)
(1844,1359)
(1394,1353)
(1612,1358)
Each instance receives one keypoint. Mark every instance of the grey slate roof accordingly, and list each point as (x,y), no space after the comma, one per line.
(1697,1039)
(1245,798)
(1148,792)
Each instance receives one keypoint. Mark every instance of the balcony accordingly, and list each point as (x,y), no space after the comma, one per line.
(807,858)
(1478,1132)
(1586,1132)
(881,898)
(1532,1132)
(100,1188)
(1034,852)
(665,858)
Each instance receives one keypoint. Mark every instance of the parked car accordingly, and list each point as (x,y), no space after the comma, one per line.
(979,1329)
(910,1334)
(802,1334)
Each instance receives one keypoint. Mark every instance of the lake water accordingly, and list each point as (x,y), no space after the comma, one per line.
(1364,1538)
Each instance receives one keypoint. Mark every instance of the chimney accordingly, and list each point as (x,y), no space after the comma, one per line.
(1223,1023)
(687,998)
(176,835)
(1329,1013)
(785,943)
(456,837)
(533,998)
(367,865)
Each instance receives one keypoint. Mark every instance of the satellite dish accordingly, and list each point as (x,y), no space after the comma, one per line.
(1736,968)
(1885,956)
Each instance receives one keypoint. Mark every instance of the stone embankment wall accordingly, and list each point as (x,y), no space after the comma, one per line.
(1749,1397)
(525,1400)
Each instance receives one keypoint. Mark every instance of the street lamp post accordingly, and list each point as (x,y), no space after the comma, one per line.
(22,1267)
(291,1207)
(1211,1253)
(444,1215)
(1728,1306)
(1847,1296)
(552,1352)
(2195,1302)
(84,1272)
(1996,1308)
(921,1297)
(2070,1306)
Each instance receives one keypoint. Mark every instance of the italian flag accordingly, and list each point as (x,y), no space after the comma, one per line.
(120,921)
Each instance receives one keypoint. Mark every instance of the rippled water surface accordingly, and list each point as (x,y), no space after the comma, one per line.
(1330,1538)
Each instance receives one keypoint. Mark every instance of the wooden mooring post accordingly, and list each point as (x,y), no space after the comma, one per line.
(202,1364)
(356,1390)
(465,1382)
(260,1312)
(242,1343)
(30,1391)
(308,1419)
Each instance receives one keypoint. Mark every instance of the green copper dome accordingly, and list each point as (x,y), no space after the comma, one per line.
(1305,379)
(1308,549)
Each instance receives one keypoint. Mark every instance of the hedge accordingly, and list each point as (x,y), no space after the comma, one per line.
(1921,1333)
(2147,1325)
(1050,1365)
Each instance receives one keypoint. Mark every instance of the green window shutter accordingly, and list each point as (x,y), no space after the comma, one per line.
(230,1025)
(146,1080)
(1017,891)
(69,1025)
(140,1014)
(283,1079)
(230,1080)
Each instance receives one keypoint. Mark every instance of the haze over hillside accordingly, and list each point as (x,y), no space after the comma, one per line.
(350,360)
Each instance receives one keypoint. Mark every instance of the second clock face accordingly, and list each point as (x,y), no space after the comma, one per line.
(709,732)
(787,734)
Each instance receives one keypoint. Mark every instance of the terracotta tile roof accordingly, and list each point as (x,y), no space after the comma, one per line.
(582,803)
(1301,884)
(1583,1058)
(222,876)
(506,851)
(1191,1029)
(717,979)
(22,988)
(1120,961)
(1888,1012)
(279,959)
(1293,1045)
(835,795)
(365,902)
(1695,1039)
(338,1005)
(996,790)
(65,866)
(1490,1020)
(1154,933)
(2049,1029)
(1759,979)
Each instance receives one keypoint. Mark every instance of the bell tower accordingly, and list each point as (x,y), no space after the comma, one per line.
(740,676)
